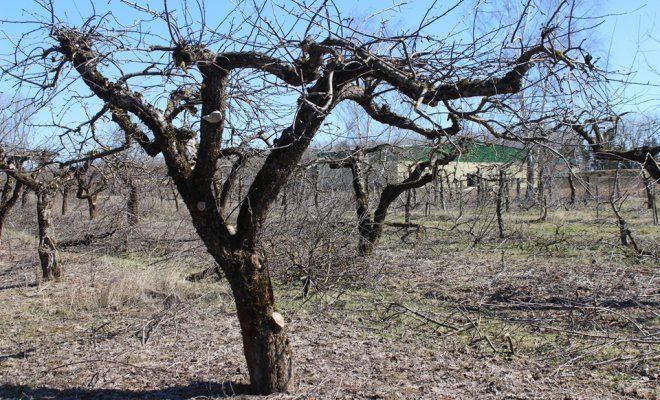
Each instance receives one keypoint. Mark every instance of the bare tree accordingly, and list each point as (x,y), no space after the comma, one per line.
(91,182)
(420,173)
(600,134)
(239,89)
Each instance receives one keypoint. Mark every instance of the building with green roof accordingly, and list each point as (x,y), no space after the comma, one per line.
(479,160)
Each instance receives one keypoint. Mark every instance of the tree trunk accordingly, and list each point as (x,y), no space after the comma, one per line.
(408,206)
(265,340)
(365,225)
(25,198)
(132,205)
(443,205)
(65,200)
(48,256)
(92,207)
(544,209)
(8,200)
(650,195)
(531,174)
(571,185)
(367,242)
(541,185)
(176,198)
(499,210)
(650,198)
(449,191)
(587,190)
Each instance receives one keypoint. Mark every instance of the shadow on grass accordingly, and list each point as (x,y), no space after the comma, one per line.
(197,390)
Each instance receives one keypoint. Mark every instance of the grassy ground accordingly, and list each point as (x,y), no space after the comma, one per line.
(558,309)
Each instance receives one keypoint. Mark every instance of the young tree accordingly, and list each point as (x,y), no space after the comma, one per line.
(240,77)
(420,173)
(91,182)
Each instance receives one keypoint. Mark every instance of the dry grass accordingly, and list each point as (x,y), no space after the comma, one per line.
(532,316)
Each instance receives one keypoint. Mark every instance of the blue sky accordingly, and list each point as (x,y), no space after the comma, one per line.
(627,40)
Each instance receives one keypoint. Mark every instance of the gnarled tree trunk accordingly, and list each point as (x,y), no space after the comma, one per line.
(265,340)
(371,229)
(47,249)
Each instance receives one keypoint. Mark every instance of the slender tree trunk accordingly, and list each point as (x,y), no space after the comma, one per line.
(499,210)
(25,198)
(176,199)
(541,185)
(65,199)
(571,185)
(443,205)
(624,232)
(531,174)
(617,185)
(132,205)
(92,207)
(544,209)
(587,190)
(597,198)
(507,201)
(408,206)
(47,249)
(650,197)
(316,187)
(449,191)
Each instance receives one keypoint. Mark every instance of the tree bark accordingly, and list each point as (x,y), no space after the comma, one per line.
(265,340)
(25,198)
(650,198)
(92,207)
(443,204)
(571,185)
(65,199)
(501,203)
(47,249)
(8,200)
(132,205)
(408,206)
(540,194)
(531,174)
(365,224)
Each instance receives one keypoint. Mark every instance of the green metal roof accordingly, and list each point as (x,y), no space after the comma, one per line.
(476,152)
(492,153)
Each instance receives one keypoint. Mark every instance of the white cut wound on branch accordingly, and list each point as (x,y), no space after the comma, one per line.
(213,118)
(277,319)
